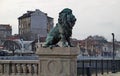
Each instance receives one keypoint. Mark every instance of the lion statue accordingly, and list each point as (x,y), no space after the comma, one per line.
(63,29)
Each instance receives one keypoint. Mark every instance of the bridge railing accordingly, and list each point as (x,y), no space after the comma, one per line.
(97,66)
(19,67)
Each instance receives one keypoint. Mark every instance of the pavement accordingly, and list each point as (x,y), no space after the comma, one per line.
(106,74)
(109,74)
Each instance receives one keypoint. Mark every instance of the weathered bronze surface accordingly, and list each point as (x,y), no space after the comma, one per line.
(63,29)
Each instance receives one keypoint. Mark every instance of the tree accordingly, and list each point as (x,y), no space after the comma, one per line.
(11,45)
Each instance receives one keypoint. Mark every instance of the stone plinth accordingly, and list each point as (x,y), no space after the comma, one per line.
(58,61)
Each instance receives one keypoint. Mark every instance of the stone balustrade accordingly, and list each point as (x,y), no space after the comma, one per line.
(51,62)
(19,67)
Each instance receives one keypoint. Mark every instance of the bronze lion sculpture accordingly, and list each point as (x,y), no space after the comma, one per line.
(63,29)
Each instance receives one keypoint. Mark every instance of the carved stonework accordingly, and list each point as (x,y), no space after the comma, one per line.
(57,66)
(24,67)
(6,68)
(35,68)
(58,61)
(13,68)
(1,68)
(19,70)
(29,68)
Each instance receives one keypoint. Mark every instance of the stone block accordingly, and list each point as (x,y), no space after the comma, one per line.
(58,61)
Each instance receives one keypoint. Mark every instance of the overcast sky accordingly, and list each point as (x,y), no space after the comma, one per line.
(94,17)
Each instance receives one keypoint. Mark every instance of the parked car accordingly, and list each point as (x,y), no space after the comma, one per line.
(3,53)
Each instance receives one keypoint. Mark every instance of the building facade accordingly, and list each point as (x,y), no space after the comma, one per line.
(5,31)
(33,24)
(93,45)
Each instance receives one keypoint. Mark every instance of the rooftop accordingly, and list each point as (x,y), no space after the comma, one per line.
(6,26)
(28,14)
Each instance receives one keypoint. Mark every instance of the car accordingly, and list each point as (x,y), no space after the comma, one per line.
(3,53)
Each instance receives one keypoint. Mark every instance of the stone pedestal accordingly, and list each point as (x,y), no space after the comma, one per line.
(58,61)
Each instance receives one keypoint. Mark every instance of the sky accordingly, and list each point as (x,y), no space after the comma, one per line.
(94,17)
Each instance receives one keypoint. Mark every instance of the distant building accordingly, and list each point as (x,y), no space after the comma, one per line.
(107,49)
(33,24)
(5,31)
(94,45)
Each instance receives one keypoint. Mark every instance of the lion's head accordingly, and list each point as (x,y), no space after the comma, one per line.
(66,18)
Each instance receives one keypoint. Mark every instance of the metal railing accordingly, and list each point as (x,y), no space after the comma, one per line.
(87,67)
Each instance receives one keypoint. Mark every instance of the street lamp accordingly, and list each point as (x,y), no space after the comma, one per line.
(113,63)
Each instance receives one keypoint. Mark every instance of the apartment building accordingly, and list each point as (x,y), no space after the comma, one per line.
(34,24)
(5,31)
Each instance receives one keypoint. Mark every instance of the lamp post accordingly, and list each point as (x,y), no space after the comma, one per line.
(38,41)
(113,63)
